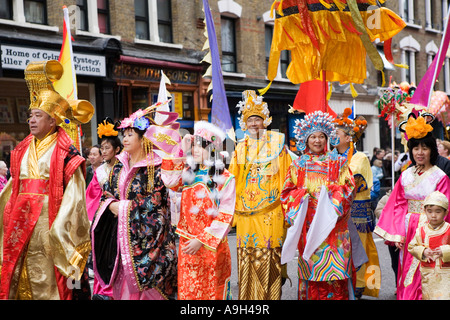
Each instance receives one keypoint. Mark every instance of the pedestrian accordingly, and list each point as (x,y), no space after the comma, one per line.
(377,170)
(207,206)
(111,144)
(259,164)
(431,246)
(444,149)
(316,200)
(402,213)
(349,132)
(3,175)
(95,160)
(133,244)
(44,223)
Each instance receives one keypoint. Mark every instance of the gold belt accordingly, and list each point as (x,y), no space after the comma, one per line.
(270,207)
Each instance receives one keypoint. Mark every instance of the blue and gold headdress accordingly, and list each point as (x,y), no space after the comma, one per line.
(314,122)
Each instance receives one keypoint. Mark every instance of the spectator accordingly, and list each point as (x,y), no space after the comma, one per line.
(444,149)
(377,170)
(3,175)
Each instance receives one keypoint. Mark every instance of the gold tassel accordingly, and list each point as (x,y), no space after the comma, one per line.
(148,149)
(352,89)
(280,8)
(330,90)
(272,8)
(264,90)
(325,4)
(383,76)
(341,6)
(399,65)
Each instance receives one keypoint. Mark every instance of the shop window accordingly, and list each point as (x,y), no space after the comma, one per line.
(228,33)
(153,20)
(82,21)
(36,11)
(6,11)
(103,16)
(139,99)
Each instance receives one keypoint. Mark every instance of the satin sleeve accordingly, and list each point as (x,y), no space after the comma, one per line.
(4,197)
(171,172)
(213,235)
(69,235)
(416,246)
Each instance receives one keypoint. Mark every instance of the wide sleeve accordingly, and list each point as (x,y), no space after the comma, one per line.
(69,233)
(391,224)
(171,172)
(293,193)
(93,196)
(4,197)
(341,192)
(416,246)
(213,235)
(284,161)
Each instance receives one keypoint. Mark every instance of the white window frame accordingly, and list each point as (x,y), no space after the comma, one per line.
(232,9)
(92,20)
(153,29)
(20,21)
(410,46)
(271,21)
(447,75)
(428,14)
(411,16)
(431,49)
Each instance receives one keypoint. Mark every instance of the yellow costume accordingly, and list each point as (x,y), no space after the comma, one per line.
(260,166)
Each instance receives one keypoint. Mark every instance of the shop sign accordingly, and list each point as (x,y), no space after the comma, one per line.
(147,73)
(15,57)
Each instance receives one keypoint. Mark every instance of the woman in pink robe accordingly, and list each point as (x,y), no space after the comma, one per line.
(403,212)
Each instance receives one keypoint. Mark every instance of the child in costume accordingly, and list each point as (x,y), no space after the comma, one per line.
(206,212)
(431,245)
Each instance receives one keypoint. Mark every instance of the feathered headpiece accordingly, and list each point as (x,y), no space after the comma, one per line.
(416,128)
(353,127)
(314,122)
(253,105)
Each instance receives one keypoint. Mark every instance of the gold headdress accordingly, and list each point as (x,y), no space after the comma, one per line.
(436,198)
(252,105)
(39,76)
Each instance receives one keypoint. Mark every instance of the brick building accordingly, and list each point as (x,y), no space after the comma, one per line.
(122,46)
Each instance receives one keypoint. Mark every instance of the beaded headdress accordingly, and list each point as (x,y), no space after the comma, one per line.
(252,105)
(314,122)
(209,132)
(436,198)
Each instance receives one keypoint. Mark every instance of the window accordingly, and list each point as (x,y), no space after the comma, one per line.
(228,34)
(153,20)
(407,11)
(6,11)
(164,21)
(285,56)
(83,15)
(141,19)
(409,47)
(36,11)
(103,16)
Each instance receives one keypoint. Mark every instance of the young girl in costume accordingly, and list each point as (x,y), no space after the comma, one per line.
(206,212)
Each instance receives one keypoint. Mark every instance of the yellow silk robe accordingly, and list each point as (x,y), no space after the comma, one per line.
(260,167)
(66,245)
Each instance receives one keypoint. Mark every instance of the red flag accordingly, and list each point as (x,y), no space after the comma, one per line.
(312,96)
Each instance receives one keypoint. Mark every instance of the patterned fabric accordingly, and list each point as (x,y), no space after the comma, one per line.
(206,274)
(331,261)
(260,167)
(146,240)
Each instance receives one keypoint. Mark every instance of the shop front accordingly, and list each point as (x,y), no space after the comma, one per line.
(138,81)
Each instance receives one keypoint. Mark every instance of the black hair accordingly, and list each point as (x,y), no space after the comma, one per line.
(114,141)
(428,141)
(98,147)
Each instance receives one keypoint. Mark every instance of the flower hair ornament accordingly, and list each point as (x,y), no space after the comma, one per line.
(314,122)
(107,128)
(252,105)
(163,137)
(354,128)
(417,125)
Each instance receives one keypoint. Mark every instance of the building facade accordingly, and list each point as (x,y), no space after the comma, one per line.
(121,48)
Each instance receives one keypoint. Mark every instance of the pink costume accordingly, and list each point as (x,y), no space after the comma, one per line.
(402,215)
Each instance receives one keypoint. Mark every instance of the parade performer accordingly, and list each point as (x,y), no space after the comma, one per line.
(403,212)
(207,207)
(349,132)
(259,164)
(431,245)
(316,200)
(44,224)
(110,146)
(133,244)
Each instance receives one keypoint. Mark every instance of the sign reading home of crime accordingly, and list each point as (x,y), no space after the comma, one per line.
(147,73)
(15,57)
